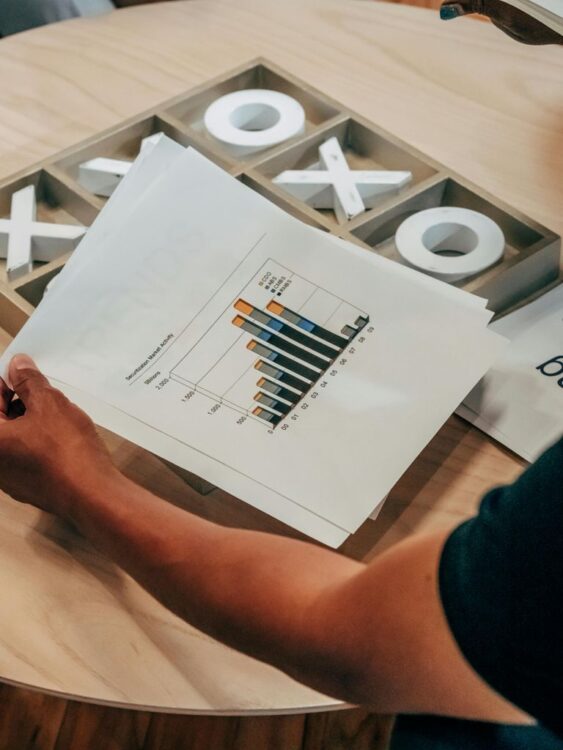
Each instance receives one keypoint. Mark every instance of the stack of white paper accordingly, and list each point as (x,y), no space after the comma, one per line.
(520,401)
(286,366)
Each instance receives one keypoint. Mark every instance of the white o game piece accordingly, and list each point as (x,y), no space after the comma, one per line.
(245,122)
(422,239)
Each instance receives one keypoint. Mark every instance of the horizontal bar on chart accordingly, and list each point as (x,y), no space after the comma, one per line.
(279,326)
(307,325)
(280,359)
(283,377)
(349,331)
(279,391)
(272,403)
(352,330)
(266,415)
(280,343)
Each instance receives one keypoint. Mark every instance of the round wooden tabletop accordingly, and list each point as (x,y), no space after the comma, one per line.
(71,623)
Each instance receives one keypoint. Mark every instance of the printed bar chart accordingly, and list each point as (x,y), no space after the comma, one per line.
(337,341)
(283,344)
(299,385)
(277,390)
(282,361)
(292,333)
(270,345)
(281,327)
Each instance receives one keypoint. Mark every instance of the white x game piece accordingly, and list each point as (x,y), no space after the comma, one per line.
(347,191)
(23,239)
(101,176)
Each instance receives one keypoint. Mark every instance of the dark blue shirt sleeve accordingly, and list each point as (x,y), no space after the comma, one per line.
(501,584)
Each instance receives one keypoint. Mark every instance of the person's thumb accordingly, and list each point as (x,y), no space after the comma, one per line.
(26,379)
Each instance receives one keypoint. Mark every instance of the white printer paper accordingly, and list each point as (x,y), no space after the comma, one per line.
(520,400)
(206,297)
(151,164)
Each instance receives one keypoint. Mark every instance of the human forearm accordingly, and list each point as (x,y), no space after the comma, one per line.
(375,634)
(256,592)
(323,619)
(268,596)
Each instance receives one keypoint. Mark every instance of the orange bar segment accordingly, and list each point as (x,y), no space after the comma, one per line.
(243,307)
(275,307)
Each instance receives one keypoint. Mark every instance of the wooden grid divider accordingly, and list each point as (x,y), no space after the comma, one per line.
(530,264)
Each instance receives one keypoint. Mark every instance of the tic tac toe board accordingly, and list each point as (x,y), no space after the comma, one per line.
(529,265)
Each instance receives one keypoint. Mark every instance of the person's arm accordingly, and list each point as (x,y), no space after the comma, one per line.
(374,635)
(512,21)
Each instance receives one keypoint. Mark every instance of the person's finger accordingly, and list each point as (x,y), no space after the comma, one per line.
(5,399)
(26,379)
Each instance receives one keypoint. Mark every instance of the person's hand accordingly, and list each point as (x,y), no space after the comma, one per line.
(50,452)
(514,22)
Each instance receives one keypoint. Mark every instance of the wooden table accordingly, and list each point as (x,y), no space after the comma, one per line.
(71,623)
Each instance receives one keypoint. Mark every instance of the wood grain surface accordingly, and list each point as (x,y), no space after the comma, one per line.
(71,623)
(35,721)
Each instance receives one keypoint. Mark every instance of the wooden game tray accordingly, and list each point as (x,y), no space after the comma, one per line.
(529,265)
